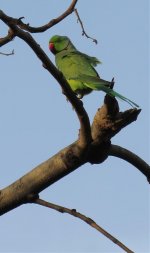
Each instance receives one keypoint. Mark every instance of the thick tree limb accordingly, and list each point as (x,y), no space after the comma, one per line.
(64,162)
(132,158)
(84,218)
(61,164)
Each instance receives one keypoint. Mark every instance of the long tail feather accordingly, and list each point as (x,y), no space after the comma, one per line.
(113,93)
(104,86)
(96,83)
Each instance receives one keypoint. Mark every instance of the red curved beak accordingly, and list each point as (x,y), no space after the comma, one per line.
(51,47)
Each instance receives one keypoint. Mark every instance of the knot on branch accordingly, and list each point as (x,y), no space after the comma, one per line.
(73,156)
(31,197)
(99,153)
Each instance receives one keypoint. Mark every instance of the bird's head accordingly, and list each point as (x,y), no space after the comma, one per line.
(58,43)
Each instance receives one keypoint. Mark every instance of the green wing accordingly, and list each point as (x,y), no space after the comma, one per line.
(78,69)
(75,63)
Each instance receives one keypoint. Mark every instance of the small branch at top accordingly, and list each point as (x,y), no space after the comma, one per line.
(45,27)
(83,30)
(84,218)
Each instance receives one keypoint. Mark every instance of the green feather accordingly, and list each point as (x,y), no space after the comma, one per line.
(95,83)
(78,69)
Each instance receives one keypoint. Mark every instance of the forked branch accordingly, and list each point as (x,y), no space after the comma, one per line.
(63,163)
(85,130)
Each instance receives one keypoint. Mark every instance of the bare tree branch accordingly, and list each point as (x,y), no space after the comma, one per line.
(45,174)
(83,30)
(106,124)
(82,217)
(93,144)
(132,158)
(85,130)
(64,162)
(47,26)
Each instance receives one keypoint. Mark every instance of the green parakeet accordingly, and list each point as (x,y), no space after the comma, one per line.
(78,69)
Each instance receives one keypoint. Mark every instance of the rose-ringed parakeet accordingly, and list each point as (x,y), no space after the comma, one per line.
(78,69)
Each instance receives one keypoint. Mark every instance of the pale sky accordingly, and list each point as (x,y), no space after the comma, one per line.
(37,121)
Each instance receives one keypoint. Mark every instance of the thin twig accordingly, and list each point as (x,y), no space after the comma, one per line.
(84,218)
(8,54)
(132,158)
(82,26)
